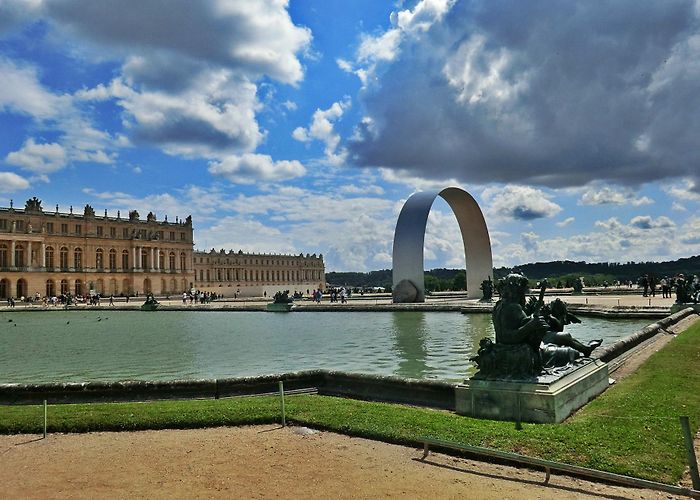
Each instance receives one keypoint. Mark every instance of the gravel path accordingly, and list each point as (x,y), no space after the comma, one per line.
(262,462)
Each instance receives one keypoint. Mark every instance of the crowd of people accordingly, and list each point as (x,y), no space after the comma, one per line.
(687,289)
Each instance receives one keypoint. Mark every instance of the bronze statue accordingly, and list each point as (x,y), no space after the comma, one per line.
(529,336)
(487,289)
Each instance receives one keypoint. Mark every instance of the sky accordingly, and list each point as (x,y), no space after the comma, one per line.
(302,126)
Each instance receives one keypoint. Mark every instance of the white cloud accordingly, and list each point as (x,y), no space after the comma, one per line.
(23,93)
(249,168)
(565,222)
(518,202)
(189,73)
(648,222)
(608,196)
(406,178)
(684,190)
(321,129)
(38,158)
(363,189)
(10,182)
(78,140)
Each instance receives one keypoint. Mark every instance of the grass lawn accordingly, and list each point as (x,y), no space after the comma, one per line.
(632,429)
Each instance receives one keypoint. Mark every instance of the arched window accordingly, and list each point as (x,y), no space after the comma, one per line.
(19,257)
(171,261)
(48,258)
(161,260)
(125,260)
(64,287)
(201,275)
(144,259)
(64,260)
(50,288)
(3,257)
(99,259)
(183,261)
(78,259)
(21,288)
(78,287)
(113,260)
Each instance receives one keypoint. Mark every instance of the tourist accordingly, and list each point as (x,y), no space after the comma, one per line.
(111,300)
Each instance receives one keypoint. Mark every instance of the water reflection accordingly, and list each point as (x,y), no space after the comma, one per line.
(410,334)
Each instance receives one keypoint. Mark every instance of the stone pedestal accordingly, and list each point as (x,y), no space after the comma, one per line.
(546,399)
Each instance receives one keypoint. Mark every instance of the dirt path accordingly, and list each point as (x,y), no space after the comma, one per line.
(261,462)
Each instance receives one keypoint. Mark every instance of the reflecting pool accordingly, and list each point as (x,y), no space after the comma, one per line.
(78,346)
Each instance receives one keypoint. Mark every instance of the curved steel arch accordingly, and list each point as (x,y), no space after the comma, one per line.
(409,238)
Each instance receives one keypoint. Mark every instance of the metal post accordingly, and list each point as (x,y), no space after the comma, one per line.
(690,451)
(284,421)
(45,419)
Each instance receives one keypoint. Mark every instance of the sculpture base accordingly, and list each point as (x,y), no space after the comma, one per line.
(539,400)
(279,307)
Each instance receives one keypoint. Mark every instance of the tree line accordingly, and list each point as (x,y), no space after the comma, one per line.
(562,272)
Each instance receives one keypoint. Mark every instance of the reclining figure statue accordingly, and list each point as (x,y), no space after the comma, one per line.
(530,337)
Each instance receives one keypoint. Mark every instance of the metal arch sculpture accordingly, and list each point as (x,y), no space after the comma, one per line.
(409,238)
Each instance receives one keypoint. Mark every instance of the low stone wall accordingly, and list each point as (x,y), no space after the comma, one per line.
(623,345)
(433,394)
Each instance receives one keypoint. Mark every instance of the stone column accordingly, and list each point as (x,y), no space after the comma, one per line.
(150,260)
(29,256)
(42,264)
(156,251)
(134,261)
(12,253)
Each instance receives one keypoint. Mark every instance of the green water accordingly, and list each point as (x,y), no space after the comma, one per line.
(102,345)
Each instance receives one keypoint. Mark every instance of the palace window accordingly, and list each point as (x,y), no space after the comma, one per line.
(183,261)
(3,256)
(64,287)
(182,236)
(125,259)
(161,260)
(19,256)
(64,259)
(3,224)
(64,228)
(100,230)
(78,258)
(78,229)
(172,235)
(113,259)
(171,261)
(125,233)
(112,232)
(48,257)
(99,259)
(19,225)
(49,227)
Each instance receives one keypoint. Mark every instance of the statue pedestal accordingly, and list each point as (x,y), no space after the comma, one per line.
(545,399)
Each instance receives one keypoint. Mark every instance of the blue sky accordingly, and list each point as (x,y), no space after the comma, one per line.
(303,126)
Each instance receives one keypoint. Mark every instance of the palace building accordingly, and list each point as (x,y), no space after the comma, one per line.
(252,274)
(49,253)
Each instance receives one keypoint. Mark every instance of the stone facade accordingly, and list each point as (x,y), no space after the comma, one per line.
(50,252)
(253,274)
